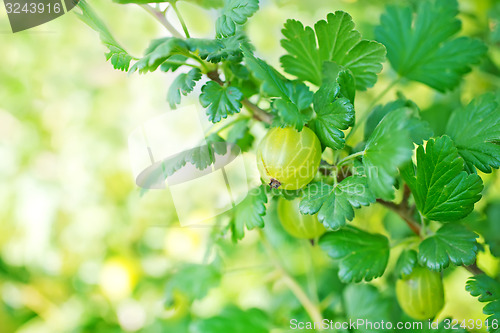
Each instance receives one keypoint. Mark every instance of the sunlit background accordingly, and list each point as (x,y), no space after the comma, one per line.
(82,249)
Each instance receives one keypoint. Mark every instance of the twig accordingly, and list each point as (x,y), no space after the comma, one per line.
(160,17)
(405,214)
(257,112)
(474,269)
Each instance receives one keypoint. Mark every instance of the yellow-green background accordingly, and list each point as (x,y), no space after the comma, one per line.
(78,242)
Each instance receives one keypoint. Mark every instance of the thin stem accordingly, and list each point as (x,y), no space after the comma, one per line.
(350,157)
(404,241)
(181,19)
(257,112)
(180,63)
(311,309)
(160,17)
(311,276)
(383,93)
(198,60)
(405,215)
(363,117)
(215,129)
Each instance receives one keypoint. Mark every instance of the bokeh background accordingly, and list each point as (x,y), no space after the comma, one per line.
(82,249)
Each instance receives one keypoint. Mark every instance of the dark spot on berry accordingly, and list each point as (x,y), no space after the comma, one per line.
(274,183)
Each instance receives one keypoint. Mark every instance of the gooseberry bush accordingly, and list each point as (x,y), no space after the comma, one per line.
(429,171)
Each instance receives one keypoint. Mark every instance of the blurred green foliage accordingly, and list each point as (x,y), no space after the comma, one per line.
(81,250)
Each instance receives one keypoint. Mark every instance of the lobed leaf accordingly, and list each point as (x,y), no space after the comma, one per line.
(475,130)
(294,97)
(442,190)
(119,58)
(183,84)
(158,51)
(333,115)
(234,13)
(452,242)
(193,281)
(333,40)
(388,148)
(406,261)
(249,212)
(421,47)
(419,129)
(488,291)
(220,101)
(363,256)
(335,205)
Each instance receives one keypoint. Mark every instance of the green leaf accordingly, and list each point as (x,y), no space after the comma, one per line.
(406,261)
(295,96)
(235,12)
(230,49)
(201,157)
(291,108)
(314,195)
(363,256)
(418,129)
(364,301)
(158,51)
(488,291)
(452,242)
(388,148)
(193,281)
(490,228)
(475,130)
(352,192)
(234,320)
(207,3)
(274,82)
(249,213)
(333,73)
(332,40)
(332,115)
(336,205)
(289,114)
(216,50)
(119,58)
(240,135)
(204,46)
(421,47)
(183,84)
(220,101)
(162,50)
(173,63)
(442,190)
(438,114)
